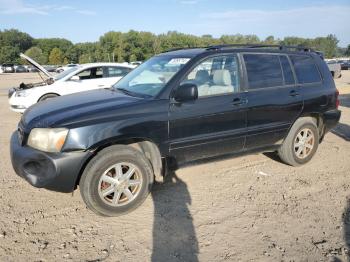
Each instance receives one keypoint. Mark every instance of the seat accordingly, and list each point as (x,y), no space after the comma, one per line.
(222,83)
(202,80)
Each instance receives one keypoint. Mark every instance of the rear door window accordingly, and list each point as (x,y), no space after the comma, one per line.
(305,69)
(264,70)
(116,71)
(287,71)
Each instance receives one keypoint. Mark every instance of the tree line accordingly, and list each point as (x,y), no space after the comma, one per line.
(136,46)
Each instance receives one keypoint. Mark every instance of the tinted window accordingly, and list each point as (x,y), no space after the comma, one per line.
(215,76)
(263,70)
(115,71)
(287,71)
(305,69)
(91,73)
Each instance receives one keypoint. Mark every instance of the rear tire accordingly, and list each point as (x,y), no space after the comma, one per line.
(104,186)
(47,96)
(301,143)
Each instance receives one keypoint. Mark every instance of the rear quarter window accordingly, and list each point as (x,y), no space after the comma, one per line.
(263,70)
(305,69)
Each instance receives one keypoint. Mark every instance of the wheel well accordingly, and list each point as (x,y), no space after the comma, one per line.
(148,148)
(48,94)
(318,120)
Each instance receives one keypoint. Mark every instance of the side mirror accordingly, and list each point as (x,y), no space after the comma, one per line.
(186,92)
(75,78)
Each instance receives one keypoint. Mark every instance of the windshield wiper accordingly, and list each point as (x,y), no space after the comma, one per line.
(130,93)
(125,91)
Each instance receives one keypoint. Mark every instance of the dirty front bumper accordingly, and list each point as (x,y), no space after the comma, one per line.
(53,171)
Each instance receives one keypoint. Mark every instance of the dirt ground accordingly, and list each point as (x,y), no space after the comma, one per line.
(251,208)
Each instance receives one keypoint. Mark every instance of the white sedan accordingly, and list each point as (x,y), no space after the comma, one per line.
(76,79)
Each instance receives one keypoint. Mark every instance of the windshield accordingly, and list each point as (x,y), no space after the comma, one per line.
(150,77)
(66,72)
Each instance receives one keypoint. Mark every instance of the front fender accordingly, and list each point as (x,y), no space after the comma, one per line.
(95,136)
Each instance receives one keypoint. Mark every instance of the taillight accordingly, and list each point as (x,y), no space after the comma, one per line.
(337,102)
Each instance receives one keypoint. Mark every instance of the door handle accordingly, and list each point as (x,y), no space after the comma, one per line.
(239,101)
(294,93)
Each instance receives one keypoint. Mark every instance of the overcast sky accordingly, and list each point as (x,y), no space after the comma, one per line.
(81,21)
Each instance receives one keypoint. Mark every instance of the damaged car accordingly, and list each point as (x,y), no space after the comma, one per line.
(76,79)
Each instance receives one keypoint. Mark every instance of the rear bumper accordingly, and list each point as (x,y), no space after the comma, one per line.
(53,171)
(330,120)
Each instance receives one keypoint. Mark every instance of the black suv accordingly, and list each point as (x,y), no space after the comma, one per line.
(177,107)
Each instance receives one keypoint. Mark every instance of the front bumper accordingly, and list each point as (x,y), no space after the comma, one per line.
(19,104)
(53,171)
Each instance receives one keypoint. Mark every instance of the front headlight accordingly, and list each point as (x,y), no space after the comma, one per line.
(22,93)
(47,139)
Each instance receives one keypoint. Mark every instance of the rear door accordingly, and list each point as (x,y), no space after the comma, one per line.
(274,99)
(215,123)
(316,97)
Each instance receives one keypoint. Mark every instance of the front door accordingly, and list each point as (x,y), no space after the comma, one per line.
(215,123)
(89,79)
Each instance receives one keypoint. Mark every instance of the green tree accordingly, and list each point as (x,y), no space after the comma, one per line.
(72,55)
(47,44)
(347,51)
(84,58)
(36,54)
(14,38)
(132,58)
(56,56)
(270,40)
(9,54)
(328,45)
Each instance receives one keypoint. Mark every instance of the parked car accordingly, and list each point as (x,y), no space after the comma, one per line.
(60,69)
(335,68)
(345,64)
(113,143)
(8,68)
(76,79)
(50,68)
(32,69)
(21,69)
(136,63)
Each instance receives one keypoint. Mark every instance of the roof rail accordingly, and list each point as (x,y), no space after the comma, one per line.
(182,48)
(280,47)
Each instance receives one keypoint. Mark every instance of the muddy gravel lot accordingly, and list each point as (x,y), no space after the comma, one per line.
(250,208)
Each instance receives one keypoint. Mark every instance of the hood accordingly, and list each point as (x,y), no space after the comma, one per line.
(78,109)
(36,65)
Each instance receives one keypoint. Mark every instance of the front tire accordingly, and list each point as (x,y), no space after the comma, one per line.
(301,143)
(116,181)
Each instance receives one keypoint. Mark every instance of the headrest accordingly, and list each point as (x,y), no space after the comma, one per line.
(222,78)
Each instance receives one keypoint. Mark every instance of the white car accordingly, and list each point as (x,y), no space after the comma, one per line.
(76,79)
(64,68)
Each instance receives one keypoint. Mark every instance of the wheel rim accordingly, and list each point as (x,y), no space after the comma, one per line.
(120,184)
(304,142)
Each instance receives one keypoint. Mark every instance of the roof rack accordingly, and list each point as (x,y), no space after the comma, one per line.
(279,47)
